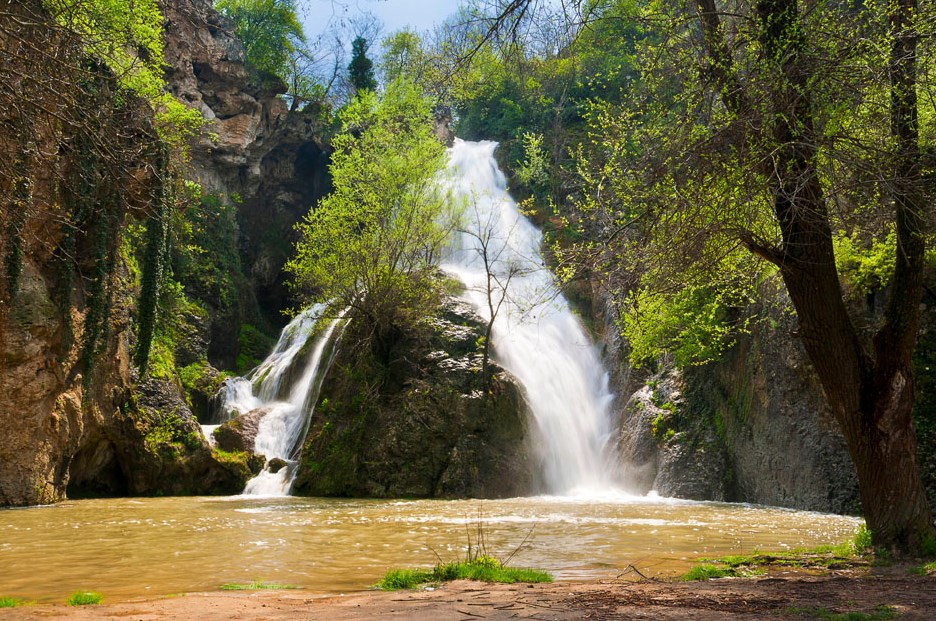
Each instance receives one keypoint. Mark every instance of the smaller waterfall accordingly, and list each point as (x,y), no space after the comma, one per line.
(287,398)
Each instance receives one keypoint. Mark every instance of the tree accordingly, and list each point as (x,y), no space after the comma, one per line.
(769,128)
(361,68)
(270,31)
(373,243)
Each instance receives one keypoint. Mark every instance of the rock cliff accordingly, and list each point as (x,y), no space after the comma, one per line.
(750,427)
(75,419)
(271,162)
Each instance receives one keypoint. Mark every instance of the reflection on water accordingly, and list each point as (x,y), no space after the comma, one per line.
(132,547)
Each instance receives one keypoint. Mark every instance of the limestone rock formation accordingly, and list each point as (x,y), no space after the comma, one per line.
(271,162)
(70,417)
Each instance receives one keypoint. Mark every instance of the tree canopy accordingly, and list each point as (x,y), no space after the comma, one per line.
(269,29)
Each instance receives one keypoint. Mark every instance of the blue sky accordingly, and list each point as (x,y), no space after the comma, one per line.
(419,15)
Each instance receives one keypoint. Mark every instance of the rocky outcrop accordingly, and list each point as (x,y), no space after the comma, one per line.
(426,425)
(271,162)
(751,427)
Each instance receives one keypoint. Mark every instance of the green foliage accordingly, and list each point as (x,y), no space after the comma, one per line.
(660,427)
(361,68)
(483,569)
(534,169)
(84,598)
(205,254)
(269,29)
(253,346)
(397,579)
(401,56)
(152,270)
(13,602)
(868,266)
(862,543)
(127,36)
(696,324)
(373,243)
(707,572)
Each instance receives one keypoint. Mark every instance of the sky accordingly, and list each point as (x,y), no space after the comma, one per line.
(420,15)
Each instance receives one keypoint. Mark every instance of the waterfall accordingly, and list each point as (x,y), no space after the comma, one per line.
(535,335)
(287,398)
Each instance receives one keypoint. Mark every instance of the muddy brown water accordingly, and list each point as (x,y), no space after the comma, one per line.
(127,548)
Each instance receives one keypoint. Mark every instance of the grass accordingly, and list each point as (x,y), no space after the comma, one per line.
(256,586)
(857,552)
(881,613)
(482,568)
(708,572)
(13,602)
(84,598)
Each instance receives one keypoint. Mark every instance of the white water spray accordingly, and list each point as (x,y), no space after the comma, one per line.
(535,334)
(288,400)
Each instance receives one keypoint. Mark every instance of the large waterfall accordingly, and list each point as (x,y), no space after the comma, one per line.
(286,385)
(536,336)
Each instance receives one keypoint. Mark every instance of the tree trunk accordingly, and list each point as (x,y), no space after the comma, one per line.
(872,398)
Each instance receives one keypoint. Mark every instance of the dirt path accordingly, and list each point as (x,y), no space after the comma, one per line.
(912,598)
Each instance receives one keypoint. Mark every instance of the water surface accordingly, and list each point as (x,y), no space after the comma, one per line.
(156,546)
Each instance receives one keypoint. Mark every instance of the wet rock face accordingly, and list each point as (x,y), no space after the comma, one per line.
(426,425)
(751,427)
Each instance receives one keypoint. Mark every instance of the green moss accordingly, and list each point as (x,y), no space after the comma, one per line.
(170,435)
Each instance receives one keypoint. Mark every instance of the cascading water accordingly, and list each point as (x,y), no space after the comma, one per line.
(535,335)
(288,400)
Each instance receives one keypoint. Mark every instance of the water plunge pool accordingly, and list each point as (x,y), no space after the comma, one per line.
(127,548)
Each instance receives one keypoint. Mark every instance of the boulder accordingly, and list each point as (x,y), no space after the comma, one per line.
(428,424)
(239,434)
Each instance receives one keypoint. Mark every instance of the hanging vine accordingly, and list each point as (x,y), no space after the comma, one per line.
(17,210)
(154,264)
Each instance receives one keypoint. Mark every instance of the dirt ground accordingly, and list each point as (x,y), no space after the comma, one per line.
(777,596)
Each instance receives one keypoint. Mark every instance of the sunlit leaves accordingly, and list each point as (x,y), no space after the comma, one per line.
(269,30)
(373,242)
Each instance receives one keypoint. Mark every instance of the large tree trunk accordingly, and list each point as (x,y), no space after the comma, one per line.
(871,396)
